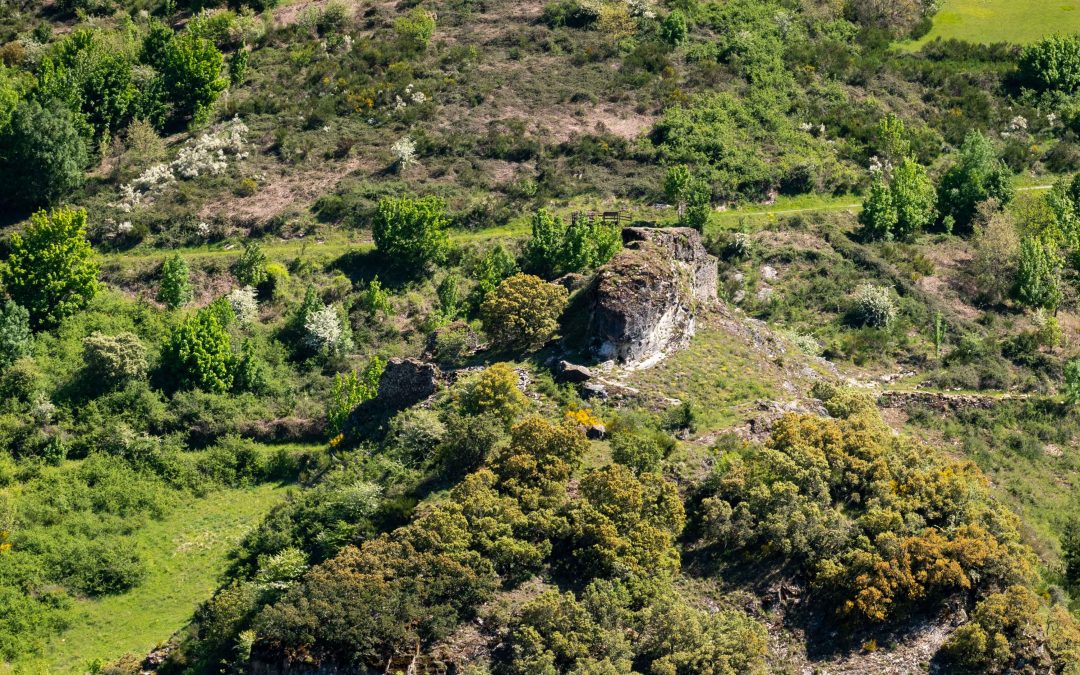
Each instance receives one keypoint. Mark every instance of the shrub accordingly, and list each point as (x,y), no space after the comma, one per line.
(51,269)
(416,28)
(1052,63)
(42,155)
(879,216)
(174,289)
(113,360)
(470,441)
(493,391)
(416,435)
(490,271)
(244,304)
(641,450)
(411,232)
(250,267)
(198,354)
(326,334)
(1038,274)
(874,306)
(16,340)
(523,312)
(1072,381)
(996,245)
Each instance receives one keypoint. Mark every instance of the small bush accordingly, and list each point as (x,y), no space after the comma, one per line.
(874,306)
(523,312)
(113,360)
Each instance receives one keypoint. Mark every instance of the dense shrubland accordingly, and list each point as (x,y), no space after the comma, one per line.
(286,197)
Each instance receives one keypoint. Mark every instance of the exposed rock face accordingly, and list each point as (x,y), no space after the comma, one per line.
(648,296)
(404,383)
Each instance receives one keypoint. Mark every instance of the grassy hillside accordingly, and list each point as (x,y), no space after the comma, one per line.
(990,21)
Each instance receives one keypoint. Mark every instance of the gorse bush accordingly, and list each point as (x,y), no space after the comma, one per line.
(114,360)
(523,312)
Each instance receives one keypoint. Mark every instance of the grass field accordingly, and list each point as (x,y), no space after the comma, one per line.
(989,21)
(187,552)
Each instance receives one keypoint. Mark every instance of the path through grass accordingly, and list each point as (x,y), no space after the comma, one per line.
(186,552)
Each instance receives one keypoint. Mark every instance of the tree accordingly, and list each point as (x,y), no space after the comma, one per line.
(1051,64)
(16,339)
(174,289)
(411,232)
(874,306)
(191,71)
(1038,274)
(51,269)
(556,248)
(327,334)
(523,312)
(673,29)
(878,216)
(914,197)
(42,155)
(1070,550)
(1072,381)
(198,354)
(496,265)
(977,175)
(351,390)
(996,245)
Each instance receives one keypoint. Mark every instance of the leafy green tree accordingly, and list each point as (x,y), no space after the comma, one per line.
(449,297)
(496,265)
(977,175)
(523,312)
(879,216)
(914,197)
(250,268)
(174,289)
(1038,274)
(191,72)
(238,65)
(42,155)
(557,248)
(198,354)
(51,270)
(411,232)
(1071,390)
(1051,64)
(16,340)
(1070,549)
(375,299)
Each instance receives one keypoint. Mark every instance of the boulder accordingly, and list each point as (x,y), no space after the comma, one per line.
(646,299)
(571,372)
(406,382)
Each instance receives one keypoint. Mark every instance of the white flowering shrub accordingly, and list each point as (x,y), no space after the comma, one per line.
(404,152)
(874,306)
(244,304)
(325,332)
(210,154)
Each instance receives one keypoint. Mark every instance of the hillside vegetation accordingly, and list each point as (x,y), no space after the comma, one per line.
(585,336)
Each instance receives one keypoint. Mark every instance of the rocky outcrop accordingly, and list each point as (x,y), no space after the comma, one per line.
(404,383)
(647,298)
(571,372)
